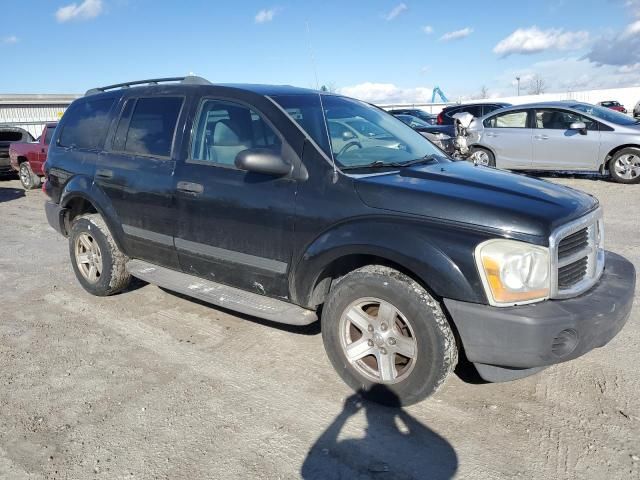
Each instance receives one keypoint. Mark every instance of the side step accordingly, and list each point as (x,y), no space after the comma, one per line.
(222,295)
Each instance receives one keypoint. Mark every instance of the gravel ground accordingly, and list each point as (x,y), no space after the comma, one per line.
(148,384)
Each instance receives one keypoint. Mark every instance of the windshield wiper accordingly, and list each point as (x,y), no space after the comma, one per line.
(381,164)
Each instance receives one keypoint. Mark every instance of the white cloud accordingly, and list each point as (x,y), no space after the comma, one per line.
(10,40)
(526,41)
(385,93)
(395,11)
(457,34)
(428,29)
(85,11)
(620,49)
(265,15)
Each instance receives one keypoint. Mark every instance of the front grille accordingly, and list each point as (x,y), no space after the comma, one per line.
(578,255)
(573,243)
(572,273)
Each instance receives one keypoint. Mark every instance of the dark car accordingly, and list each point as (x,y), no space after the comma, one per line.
(430,118)
(445,117)
(8,135)
(440,135)
(613,105)
(238,196)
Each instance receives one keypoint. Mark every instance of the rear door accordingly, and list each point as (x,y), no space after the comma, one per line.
(234,227)
(136,173)
(555,146)
(509,136)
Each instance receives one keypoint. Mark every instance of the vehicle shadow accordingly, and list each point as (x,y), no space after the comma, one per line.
(395,445)
(8,194)
(593,176)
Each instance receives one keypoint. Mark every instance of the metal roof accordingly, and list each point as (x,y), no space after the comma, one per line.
(37,99)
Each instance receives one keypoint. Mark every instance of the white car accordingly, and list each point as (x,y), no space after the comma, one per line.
(559,136)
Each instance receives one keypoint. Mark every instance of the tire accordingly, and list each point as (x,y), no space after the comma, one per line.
(104,272)
(28,179)
(624,166)
(419,329)
(484,157)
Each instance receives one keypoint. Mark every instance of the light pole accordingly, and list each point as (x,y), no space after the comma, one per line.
(518,80)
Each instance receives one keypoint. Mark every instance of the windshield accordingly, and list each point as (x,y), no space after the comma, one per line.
(382,140)
(605,114)
(413,121)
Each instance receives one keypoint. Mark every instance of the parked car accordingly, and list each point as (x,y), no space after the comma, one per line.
(27,158)
(9,135)
(236,195)
(350,133)
(559,136)
(613,105)
(440,135)
(636,110)
(430,118)
(445,117)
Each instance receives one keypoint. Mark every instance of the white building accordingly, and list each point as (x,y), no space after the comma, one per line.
(31,112)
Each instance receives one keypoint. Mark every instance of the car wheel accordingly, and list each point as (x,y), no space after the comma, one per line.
(380,327)
(28,179)
(482,156)
(624,167)
(97,261)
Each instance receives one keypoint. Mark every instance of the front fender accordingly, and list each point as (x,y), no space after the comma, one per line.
(81,186)
(439,254)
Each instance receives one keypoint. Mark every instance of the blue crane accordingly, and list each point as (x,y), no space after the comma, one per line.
(443,97)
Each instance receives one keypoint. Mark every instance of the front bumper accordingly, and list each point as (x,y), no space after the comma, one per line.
(513,342)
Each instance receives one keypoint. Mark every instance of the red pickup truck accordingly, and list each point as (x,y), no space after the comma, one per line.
(28,158)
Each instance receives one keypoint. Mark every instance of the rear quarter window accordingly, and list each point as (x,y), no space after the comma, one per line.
(85,123)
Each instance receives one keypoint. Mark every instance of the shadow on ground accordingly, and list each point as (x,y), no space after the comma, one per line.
(395,445)
(8,194)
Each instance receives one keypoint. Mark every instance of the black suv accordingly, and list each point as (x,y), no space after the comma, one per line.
(445,117)
(242,196)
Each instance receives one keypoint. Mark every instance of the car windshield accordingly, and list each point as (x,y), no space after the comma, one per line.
(330,120)
(413,121)
(605,114)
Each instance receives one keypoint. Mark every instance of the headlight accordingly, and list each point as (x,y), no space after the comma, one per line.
(513,272)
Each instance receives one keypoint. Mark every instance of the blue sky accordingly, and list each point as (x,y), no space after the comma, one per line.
(377,50)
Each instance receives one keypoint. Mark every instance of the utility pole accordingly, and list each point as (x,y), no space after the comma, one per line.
(518,80)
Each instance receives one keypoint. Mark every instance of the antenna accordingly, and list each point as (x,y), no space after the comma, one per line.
(313,60)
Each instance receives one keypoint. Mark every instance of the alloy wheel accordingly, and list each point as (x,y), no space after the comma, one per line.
(628,166)
(88,257)
(378,340)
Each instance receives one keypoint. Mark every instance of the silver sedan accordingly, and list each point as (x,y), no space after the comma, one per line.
(559,136)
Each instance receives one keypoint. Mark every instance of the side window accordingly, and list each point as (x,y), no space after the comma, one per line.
(48,134)
(476,110)
(225,129)
(487,109)
(553,119)
(508,120)
(151,128)
(85,123)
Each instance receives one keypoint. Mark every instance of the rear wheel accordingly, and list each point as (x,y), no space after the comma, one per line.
(382,329)
(482,156)
(624,167)
(97,261)
(28,179)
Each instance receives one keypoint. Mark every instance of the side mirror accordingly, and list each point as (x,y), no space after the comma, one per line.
(347,135)
(262,160)
(580,126)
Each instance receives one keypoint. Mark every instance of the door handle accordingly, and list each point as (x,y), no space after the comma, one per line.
(541,137)
(490,134)
(189,187)
(104,173)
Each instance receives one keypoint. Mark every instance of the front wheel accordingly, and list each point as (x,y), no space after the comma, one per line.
(482,156)
(381,328)
(624,167)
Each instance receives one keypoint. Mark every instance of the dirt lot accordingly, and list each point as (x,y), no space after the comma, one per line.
(148,384)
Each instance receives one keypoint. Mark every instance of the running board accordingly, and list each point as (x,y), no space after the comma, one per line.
(222,295)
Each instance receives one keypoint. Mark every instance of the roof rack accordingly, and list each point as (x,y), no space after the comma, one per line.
(188,80)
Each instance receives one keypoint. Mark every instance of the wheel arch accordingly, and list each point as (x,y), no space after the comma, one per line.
(613,152)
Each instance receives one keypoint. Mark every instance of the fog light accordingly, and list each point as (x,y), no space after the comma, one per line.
(565,342)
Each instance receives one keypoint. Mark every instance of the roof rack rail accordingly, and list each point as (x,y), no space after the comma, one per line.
(188,80)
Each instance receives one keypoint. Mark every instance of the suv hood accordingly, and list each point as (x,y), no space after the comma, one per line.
(481,196)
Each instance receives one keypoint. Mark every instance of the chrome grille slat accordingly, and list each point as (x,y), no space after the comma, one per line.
(577,256)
